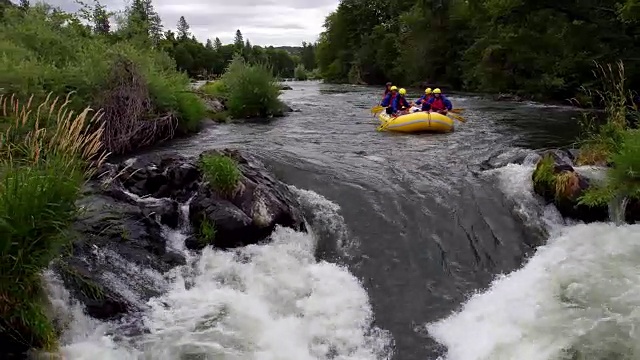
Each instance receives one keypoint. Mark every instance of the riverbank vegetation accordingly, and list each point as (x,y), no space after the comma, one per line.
(46,154)
(530,48)
(610,139)
(247,90)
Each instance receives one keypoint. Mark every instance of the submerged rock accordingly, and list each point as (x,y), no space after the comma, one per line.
(129,208)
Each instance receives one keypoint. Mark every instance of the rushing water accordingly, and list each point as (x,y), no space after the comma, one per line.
(414,250)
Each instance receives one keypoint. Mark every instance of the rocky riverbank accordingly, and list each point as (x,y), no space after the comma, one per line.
(128,209)
(559,181)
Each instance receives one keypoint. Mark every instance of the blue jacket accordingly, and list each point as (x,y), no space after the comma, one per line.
(399,102)
(387,100)
(445,102)
(423,98)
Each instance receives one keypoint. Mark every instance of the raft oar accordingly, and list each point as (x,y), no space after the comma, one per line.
(456,116)
(457,111)
(376,109)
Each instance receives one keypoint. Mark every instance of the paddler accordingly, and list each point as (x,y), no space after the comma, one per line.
(438,103)
(400,104)
(428,94)
(387,89)
(388,99)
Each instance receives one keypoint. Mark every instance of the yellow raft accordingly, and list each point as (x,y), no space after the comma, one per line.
(420,121)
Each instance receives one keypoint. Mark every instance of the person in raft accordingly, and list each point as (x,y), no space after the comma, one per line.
(438,103)
(387,89)
(399,105)
(424,99)
(388,99)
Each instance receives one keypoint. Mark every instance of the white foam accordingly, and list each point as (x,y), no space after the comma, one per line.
(272,301)
(516,183)
(578,295)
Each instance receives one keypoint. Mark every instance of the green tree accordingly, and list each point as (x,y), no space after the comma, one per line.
(183,28)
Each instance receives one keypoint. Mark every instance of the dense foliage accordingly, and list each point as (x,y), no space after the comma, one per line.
(530,47)
(249,90)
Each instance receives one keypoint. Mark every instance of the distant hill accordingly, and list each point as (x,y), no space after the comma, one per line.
(293,50)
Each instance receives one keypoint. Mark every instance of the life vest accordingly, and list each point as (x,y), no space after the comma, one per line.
(438,104)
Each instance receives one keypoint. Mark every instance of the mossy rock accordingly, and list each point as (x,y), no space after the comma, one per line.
(558,183)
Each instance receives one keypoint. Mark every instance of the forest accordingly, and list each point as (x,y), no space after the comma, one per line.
(537,48)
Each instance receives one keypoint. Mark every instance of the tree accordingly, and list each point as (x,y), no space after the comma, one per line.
(183,28)
(24,4)
(209,45)
(238,41)
(217,44)
(100,19)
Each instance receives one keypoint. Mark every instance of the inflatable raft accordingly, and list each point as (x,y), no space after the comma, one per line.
(416,122)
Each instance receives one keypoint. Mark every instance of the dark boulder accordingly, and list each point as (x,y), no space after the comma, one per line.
(128,210)
(110,231)
(250,214)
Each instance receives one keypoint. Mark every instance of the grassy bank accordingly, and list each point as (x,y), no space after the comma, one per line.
(143,97)
(248,90)
(46,154)
(614,142)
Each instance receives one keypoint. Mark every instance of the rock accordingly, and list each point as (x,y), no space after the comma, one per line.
(130,231)
(128,209)
(173,177)
(502,159)
(231,224)
(557,182)
(508,97)
(286,108)
(214,105)
(285,87)
(249,216)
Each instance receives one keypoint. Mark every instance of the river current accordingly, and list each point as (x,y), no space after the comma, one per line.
(417,250)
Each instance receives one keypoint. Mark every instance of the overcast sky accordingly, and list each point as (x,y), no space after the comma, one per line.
(263,22)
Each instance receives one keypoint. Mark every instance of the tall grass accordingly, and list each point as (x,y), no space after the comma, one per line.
(613,142)
(46,154)
(598,141)
(221,172)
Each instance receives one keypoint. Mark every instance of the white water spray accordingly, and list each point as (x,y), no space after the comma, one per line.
(261,302)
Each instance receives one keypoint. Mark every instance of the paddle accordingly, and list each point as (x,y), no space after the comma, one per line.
(456,116)
(376,109)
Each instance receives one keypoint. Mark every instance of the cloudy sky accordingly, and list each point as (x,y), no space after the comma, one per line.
(263,22)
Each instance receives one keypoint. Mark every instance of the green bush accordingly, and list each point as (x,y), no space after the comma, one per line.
(45,51)
(221,172)
(41,174)
(215,88)
(300,73)
(252,91)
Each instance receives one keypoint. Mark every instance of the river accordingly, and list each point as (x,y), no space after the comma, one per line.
(417,252)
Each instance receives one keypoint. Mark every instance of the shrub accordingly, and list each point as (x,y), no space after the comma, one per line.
(221,172)
(300,73)
(41,173)
(252,91)
(143,96)
(215,88)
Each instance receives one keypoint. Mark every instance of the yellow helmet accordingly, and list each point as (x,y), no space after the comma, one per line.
(393,88)
(427,91)
(437,91)
(402,91)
